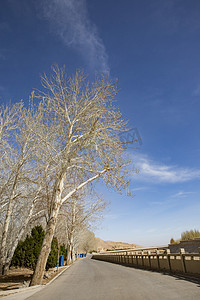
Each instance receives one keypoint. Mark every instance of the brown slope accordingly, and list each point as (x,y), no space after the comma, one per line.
(110,245)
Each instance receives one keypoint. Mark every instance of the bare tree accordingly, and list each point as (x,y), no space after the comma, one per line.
(87,241)
(76,216)
(18,180)
(9,171)
(77,130)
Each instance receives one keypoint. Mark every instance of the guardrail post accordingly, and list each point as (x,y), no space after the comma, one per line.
(136,256)
(182,252)
(168,259)
(142,258)
(149,257)
(158,261)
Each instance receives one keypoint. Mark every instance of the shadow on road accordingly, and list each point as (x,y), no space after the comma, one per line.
(195,280)
(176,275)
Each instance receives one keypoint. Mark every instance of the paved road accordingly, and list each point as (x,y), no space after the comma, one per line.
(92,280)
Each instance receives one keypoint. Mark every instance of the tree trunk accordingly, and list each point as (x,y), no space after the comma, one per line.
(51,225)
(6,268)
(73,254)
(45,250)
(69,253)
(7,223)
(73,250)
(4,236)
(10,254)
(46,246)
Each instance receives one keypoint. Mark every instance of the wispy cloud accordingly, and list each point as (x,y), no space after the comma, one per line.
(151,230)
(182,194)
(196,92)
(157,172)
(2,55)
(69,20)
(173,17)
(142,188)
(112,216)
(4,26)
(156,203)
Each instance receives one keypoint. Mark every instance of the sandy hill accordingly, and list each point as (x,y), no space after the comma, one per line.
(109,245)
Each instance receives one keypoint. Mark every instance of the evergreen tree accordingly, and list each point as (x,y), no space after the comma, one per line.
(63,251)
(27,251)
(53,256)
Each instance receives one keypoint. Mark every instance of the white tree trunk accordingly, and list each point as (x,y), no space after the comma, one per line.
(10,254)
(69,253)
(73,253)
(51,225)
(4,236)
(46,248)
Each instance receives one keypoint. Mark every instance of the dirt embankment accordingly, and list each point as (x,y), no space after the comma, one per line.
(21,277)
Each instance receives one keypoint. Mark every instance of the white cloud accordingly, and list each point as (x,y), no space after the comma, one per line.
(70,21)
(157,172)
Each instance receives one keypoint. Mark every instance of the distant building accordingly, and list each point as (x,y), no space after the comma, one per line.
(190,246)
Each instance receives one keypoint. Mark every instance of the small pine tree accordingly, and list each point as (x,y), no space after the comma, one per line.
(53,256)
(63,251)
(172,241)
(19,255)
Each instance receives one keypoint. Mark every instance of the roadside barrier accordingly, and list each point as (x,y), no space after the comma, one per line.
(154,259)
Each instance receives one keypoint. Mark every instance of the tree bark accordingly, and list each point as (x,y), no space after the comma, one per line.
(10,254)
(4,236)
(73,254)
(6,268)
(69,253)
(51,225)
(7,223)
(45,250)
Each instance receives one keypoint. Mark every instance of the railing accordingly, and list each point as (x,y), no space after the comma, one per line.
(161,260)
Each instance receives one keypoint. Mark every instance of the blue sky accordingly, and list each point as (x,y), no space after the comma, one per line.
(153,48)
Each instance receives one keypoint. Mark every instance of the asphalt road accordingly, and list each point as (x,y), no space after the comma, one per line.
(91,279)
